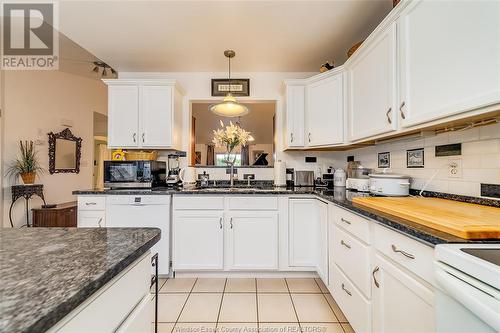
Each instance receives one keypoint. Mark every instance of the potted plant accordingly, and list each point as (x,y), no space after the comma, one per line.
(27,165)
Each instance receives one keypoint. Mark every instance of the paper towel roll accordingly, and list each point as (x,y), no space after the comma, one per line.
(279,173)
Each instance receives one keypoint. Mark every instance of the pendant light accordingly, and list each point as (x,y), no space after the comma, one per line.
(229,107)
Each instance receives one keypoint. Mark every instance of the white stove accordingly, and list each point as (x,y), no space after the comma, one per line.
(468,276)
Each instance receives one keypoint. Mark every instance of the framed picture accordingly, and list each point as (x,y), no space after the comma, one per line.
(384,160)
(197,157)
(415,158)
(239,87)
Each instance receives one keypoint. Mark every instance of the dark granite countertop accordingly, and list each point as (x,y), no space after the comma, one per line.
(338,196)
(45,273)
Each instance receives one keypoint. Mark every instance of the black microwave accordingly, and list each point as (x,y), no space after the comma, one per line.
(135,174)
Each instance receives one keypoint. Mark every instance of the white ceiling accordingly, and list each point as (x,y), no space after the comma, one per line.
(259,122)
(289,36)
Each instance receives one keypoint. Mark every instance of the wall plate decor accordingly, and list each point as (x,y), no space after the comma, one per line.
(454,149)
(239,87)
(384,160)
(415,158)
(65,151)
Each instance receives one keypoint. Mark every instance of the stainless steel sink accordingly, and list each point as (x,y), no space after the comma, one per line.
(234,189)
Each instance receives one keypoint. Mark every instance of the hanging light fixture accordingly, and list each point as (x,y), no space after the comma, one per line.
(229,107)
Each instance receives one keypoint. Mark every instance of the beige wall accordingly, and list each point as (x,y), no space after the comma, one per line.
(36,102)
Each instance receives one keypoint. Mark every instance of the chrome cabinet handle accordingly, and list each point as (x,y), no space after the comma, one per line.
(143,137)
(374,277)
(401,110)
(309,136)
(387,114)
(291,137)
(345,221)
(90,203)
(345,244)
(220,222)
(346,291)
(134,137)
(406,254)
(99,222)
(231,223)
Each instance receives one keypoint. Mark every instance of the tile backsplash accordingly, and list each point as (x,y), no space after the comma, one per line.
(479,162)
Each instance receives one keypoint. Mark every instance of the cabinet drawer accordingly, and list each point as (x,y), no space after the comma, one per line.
(91,219)
(354,224)
(107,309)
(205,202)
(91,203)
(356,308)
(348,250)
(407,252)
(253,203)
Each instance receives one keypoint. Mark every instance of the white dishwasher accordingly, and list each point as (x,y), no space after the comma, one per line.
(143,211)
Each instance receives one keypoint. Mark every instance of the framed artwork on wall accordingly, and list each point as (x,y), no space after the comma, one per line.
(239,87)
(415,158)
(384,160)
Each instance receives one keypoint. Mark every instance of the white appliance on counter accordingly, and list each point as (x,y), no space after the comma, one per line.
(358,184)
(468,298)
(143,211)
(389,184)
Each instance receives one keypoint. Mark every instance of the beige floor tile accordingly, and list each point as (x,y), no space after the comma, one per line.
(161,282)
(170,306)
(178,286)
(201,308)
(194,328)
(237,328)
(240,286)
(321,327)
(271,286)
(322,286)
(275,308)
(347,328)
(209,285)
(336,309)
(238,308)
(280,328)
(313,308)
(303,286)
(163,327)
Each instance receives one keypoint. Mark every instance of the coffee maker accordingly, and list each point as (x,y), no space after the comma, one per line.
(173,178)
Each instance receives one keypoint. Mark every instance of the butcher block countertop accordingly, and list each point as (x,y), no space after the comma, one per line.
(464,220)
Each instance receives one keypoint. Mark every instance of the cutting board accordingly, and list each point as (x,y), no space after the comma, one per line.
(464,220)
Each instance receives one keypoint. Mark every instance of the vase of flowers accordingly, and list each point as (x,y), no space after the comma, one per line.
(26,165)
(230,137)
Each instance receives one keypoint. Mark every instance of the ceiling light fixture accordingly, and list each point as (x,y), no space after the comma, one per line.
(229,107)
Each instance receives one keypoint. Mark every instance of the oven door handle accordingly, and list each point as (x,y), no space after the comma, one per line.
(479,298)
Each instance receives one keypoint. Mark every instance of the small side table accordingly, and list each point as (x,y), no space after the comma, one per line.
(26,192)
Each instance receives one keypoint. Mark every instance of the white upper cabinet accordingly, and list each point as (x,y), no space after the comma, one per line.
(123,115)
(372,87)
(295,107)
(325,111)
(449,58)
(144,114)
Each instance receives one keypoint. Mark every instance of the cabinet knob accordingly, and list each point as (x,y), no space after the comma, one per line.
(388,115)
(401,110)
(143,137)
(220,222)
(309,136)
(134,136)
(291,137)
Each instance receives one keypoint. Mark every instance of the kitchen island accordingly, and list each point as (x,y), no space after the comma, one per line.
(50,278)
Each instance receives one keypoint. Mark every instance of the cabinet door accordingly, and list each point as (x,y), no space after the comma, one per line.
(450,58)
(302,233)
(323,241)
(372,80)
(156,116)
(295,108)
(253,240)
(325,112)
(91,219)
(198,240)
(400,301)
(123,116)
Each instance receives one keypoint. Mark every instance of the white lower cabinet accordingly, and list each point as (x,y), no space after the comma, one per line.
(302,232)
(253,240)
(400,302)
(198,240)
(91,219)
(323,269)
